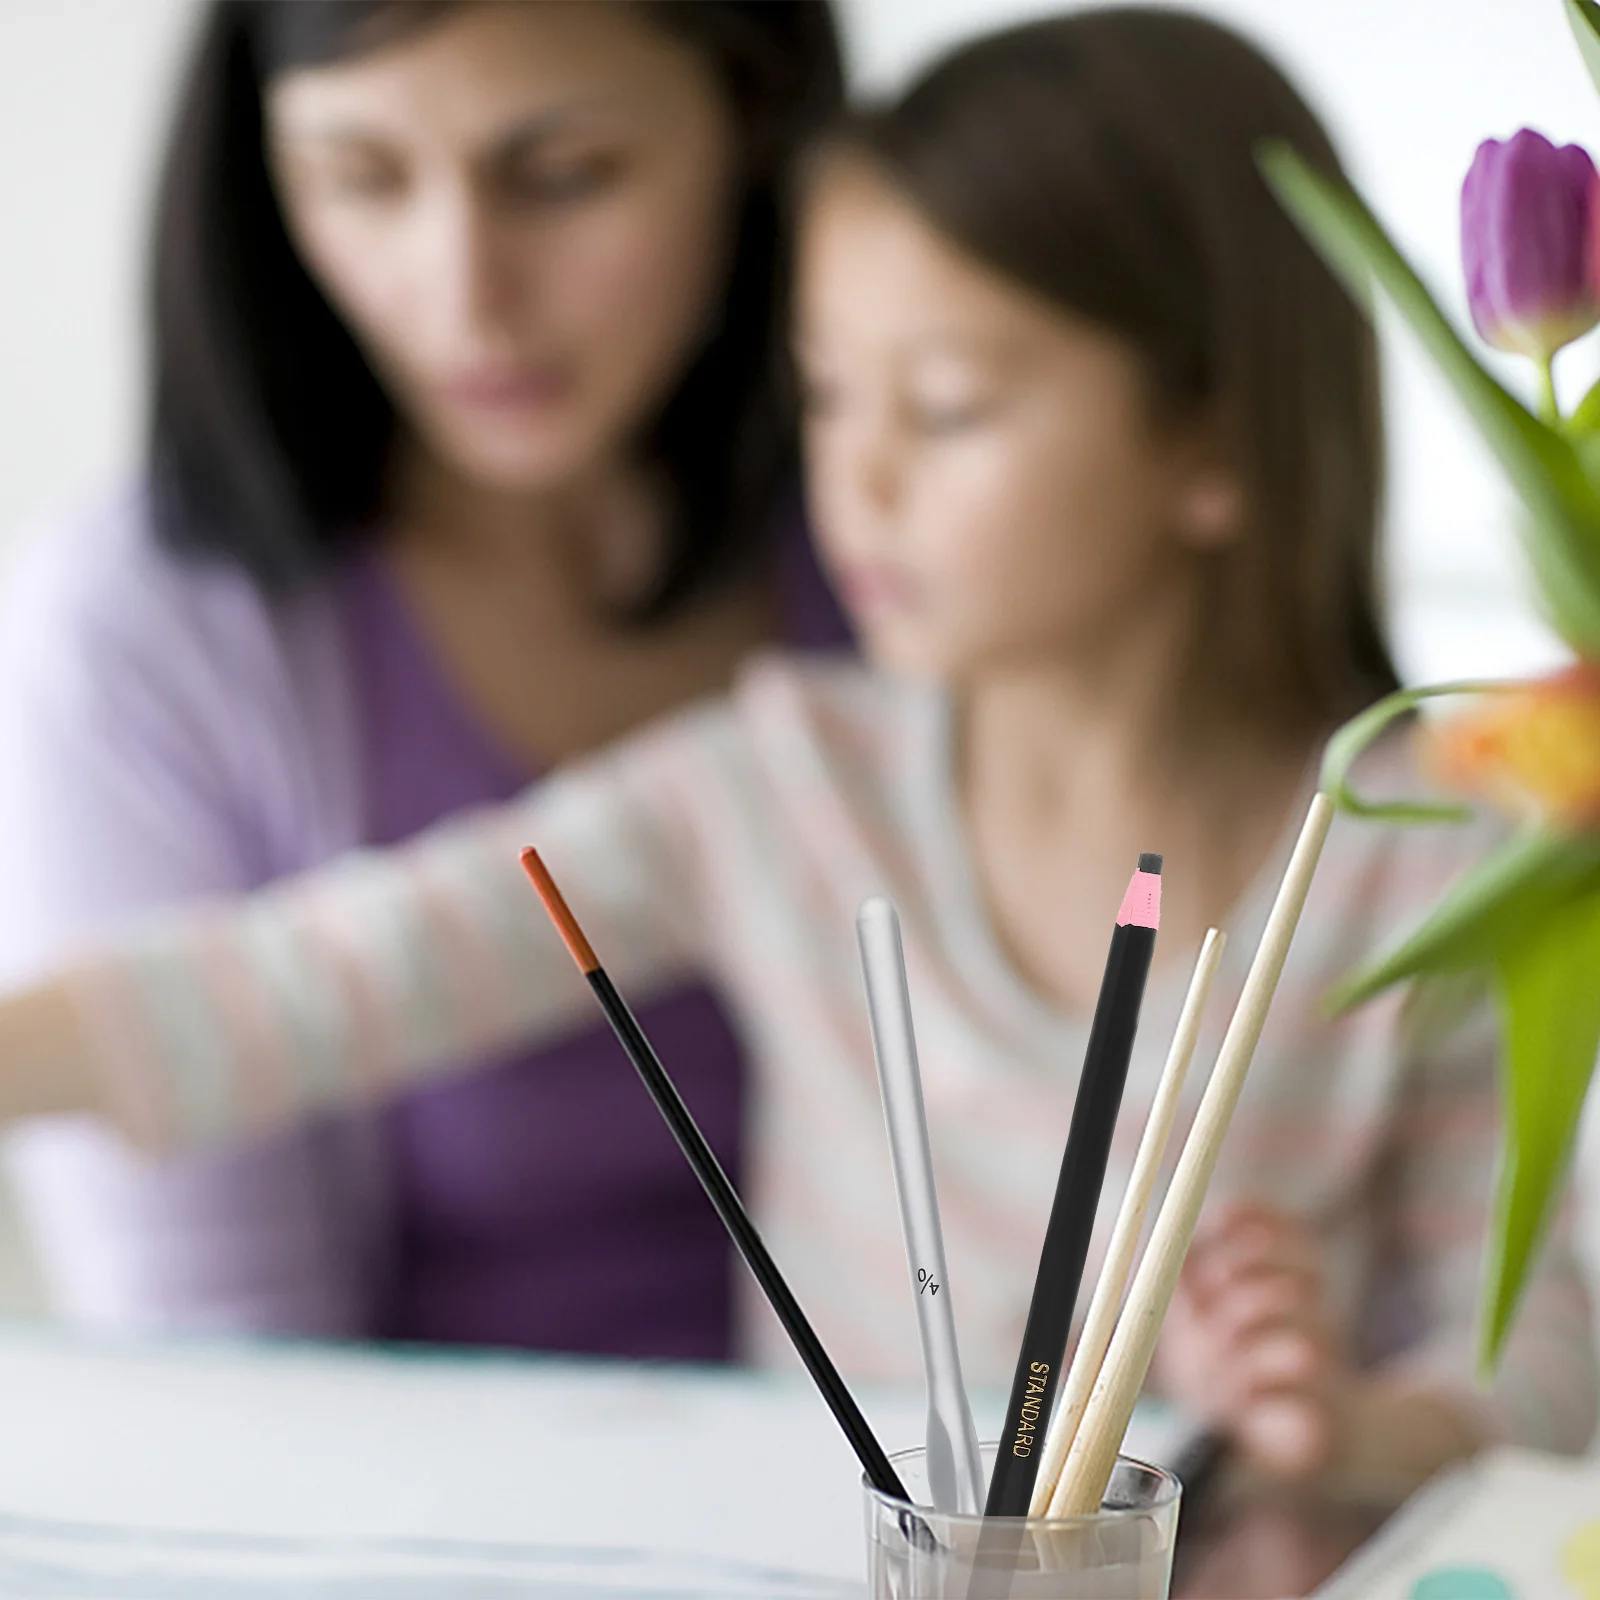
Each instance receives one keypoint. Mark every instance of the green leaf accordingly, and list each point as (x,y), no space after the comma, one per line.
(1584,16)
(1492,908)
(1563,540)
(1548,991)
(1568,592)
(1584,422)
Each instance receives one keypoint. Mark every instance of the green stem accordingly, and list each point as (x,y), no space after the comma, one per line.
(1548,408)
(1363,728)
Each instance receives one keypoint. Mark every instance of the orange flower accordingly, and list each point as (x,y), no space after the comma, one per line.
(1533,749)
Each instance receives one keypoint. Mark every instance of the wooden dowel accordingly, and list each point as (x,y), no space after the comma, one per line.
(1093,1452)
(1102,1318)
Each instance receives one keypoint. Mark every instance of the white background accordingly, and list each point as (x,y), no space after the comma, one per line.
(1409,86)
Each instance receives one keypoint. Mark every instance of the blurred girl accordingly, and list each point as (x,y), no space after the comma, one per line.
(1093,450)
(472,446)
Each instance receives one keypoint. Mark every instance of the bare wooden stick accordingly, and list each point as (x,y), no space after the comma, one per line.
(1093,1453)
(1102,1317)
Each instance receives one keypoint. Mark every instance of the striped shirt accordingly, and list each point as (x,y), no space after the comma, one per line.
(737,840)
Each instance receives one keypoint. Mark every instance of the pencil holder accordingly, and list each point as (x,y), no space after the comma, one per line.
(1121,1552)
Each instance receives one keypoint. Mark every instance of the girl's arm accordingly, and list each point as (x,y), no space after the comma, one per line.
(1421,1409)
(49,1060)
(241,1018)
(1440,1182)
(1253,1343)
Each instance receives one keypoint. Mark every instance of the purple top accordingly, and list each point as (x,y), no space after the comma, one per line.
(166,734)
(513,1224)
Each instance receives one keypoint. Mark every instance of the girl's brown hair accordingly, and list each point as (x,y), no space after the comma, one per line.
(1106,160)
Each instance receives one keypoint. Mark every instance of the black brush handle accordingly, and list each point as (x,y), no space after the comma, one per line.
(1066,1239)
(736,1220)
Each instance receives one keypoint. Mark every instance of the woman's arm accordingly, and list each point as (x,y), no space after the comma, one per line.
(155,749)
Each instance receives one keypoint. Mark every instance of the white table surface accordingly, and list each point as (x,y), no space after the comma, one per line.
(308,1441)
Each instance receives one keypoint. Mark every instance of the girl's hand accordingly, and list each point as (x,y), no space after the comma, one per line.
(45,1057)
(1249,1345)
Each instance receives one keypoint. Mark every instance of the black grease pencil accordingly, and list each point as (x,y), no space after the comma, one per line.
(1077,1197)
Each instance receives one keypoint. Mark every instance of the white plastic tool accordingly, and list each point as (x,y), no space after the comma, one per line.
(955,1473)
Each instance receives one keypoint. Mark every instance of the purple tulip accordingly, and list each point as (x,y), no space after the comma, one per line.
(1527,214)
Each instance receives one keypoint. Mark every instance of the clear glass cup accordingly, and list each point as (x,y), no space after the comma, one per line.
(1123,1551)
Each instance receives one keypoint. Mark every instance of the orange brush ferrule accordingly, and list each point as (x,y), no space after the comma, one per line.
(572,937)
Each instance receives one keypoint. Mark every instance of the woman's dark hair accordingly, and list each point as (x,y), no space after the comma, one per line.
(1107,161)
(269,432)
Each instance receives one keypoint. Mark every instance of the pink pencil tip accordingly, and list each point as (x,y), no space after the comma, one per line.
(1141,905)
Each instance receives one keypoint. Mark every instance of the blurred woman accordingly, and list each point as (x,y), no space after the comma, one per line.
(471,447)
